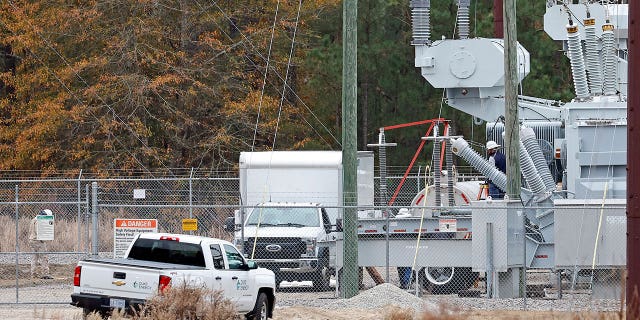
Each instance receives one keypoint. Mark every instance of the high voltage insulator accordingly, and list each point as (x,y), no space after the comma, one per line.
(449,161)
(461,148)
(594,71)
(577,62)
(610,59)
(463,19)
(421,23)
(529,170)
(528,137)
(437,173)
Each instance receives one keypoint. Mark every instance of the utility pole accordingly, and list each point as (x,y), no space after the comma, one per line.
(633,167)
(350,275)
(512,126)
(511,130)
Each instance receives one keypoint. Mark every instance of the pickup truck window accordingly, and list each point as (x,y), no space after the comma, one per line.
(167,251)
(274,216)
(216,254)
(233,257)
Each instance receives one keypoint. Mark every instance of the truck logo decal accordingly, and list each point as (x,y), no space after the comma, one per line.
(273,248)
(142,285)
(242,285)
(119,283)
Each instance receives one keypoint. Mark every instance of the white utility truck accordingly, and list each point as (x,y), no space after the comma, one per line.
(293,240)
(155,261)
(302,177)
(290,202)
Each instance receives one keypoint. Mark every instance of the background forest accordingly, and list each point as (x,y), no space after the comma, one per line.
(148,85)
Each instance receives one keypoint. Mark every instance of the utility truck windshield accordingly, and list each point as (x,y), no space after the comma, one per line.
(294,217)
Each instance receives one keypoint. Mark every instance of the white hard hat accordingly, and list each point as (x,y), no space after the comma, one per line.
(492,145)
(46,212)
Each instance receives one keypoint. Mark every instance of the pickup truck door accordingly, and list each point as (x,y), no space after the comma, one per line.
(235,281)
(218,265)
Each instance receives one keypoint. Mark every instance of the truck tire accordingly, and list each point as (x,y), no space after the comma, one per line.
(322,279)
(261,309)
(446,280)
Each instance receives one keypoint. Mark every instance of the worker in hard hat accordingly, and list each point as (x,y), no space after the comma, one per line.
(40,262)
(498,160)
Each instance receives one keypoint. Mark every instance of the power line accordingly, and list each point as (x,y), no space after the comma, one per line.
(254,49)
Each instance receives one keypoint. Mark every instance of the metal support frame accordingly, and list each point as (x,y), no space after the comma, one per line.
(432,122)
(382,154)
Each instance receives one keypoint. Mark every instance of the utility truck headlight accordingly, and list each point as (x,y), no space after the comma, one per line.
(311,247)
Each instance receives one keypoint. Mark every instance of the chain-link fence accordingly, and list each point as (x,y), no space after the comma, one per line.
(22,278)
(515,253)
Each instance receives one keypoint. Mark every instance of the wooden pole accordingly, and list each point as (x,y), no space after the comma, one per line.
(512,132)
(350,272)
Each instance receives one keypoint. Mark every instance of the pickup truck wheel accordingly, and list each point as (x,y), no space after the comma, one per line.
(322,277)
(261,309)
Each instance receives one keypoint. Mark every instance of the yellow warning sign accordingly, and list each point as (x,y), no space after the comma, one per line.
(189,224)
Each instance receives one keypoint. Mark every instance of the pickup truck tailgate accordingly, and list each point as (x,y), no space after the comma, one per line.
(123,278)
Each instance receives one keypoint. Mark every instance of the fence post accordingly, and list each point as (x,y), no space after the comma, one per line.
(78,218)
(17,246)
(191,195)
(94,218)
(523,275)
(85,218)
(489,276)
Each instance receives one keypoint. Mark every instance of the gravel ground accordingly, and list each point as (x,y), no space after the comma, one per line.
(34,294)
(389,294)
(372,298)
(310,305)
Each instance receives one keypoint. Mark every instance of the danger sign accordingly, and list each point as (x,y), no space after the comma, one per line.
(124,230)
(448,225)
(136,223)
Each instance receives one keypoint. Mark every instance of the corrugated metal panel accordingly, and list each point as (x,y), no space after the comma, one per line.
(546,131)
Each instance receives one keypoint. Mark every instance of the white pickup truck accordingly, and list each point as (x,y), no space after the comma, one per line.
(292,239)
(154,261)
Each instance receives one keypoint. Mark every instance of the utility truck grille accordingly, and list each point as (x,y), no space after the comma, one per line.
(275,248)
